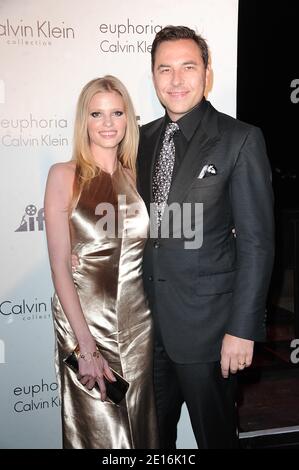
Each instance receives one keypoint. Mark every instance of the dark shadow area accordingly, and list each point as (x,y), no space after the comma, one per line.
(267,97)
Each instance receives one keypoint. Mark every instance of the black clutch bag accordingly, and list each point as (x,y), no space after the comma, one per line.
(116,391)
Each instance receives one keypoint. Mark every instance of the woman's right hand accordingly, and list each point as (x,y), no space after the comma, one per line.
(93,368)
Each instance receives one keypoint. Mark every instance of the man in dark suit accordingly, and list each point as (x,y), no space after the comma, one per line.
(208,299)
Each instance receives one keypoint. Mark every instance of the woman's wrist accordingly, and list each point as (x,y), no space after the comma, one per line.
(87,344)
(87,354)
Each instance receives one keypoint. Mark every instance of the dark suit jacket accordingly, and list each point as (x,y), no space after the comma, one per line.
(198,295)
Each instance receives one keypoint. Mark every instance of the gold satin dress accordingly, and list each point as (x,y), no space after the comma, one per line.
(109,284)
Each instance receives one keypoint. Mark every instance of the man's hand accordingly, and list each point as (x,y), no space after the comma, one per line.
(236,354)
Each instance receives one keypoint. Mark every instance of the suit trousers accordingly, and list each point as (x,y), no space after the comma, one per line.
(210,401)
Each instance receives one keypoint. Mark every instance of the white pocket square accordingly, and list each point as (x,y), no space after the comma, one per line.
(207,170)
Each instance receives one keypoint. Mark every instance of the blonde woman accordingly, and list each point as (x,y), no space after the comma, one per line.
(93,210)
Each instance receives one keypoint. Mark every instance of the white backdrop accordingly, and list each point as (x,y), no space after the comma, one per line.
(48,50)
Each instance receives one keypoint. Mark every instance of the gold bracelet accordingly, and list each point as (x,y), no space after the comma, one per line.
(87,356)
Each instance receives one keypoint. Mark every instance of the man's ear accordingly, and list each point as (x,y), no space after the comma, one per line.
(209,79)
(153,78)
(208,73)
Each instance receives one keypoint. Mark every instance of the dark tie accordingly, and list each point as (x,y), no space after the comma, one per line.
(163,171)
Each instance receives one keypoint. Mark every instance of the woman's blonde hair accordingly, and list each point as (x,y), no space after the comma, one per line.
(86,168)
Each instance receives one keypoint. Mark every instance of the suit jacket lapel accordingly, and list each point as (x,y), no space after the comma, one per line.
(204,139)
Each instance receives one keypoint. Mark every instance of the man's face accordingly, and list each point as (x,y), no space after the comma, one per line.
(179,76)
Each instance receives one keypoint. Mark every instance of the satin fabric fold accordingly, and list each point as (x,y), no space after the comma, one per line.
(108,231)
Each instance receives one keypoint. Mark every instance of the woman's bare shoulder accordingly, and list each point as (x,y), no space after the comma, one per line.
(61,177)
(63,168)
(63,171)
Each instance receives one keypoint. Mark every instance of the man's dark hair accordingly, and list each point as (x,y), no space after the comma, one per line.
(172,33)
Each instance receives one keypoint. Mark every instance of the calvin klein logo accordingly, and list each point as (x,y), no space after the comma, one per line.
(36,397)
(26,309)
(32,219)
(41,29)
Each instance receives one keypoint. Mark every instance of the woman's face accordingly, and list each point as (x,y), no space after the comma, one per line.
(107,120)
